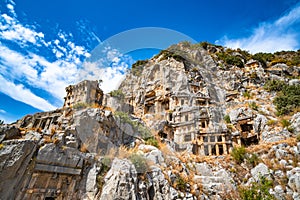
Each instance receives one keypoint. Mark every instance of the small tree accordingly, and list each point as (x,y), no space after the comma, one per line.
(1,122)
(238,154)
(227,119)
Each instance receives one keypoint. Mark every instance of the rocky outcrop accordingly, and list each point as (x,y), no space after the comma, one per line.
(120,181)
(168,132)
(295,122)
(59,147)
(15,156)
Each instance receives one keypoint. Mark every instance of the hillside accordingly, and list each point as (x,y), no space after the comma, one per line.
(196,121)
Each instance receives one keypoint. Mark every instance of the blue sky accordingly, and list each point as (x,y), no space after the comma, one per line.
(46,45)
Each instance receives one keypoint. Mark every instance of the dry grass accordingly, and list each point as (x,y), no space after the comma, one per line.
(164,148)
(83,148)
(53,130)
(124,152)
(47,139)
(56,140)
(265,147)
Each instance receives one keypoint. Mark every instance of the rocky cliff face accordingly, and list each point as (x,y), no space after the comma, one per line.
(194,122)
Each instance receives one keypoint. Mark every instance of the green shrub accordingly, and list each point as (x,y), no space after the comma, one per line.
(165,54)
(230,60)
(106,163)
(298,137)
(186,43)
(139,63)
(271,122)
(274,85)
(1,146)
(247,94)
(238,154)
(258,190)
(105,167)
(117,93)
(80,105)
(287,98)
(290,129)
(285,123)
(180,184)
(253,106)
(253,159)
(139,162)
(152,141)
(253,75)
(204,45)
(263,58)
(227,119)
(140,128)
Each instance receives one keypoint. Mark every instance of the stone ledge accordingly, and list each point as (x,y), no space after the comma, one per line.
(57,169)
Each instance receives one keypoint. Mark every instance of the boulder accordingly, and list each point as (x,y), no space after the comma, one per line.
(278,192)
(294,180)
(295,122)
(10,132)
(32,135)
(120,181)
(294,82)
(14,160)
(261,170)
(50,154)
(259,123)
(153,154)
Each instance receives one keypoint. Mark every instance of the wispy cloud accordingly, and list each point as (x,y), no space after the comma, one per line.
(12,30)
(110,68)
(25,72)
(2,111)
(20,93)
(281,34)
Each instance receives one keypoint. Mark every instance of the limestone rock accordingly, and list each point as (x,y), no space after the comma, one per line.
(294,180)
(153,154)
(295,122)
(51,154)
(279,192)
(10,132)
(99,133)
(32,135)
(120,181)
(261,170)
(15,157)
(259,123)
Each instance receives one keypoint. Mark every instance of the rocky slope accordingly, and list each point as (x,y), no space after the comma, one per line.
(194,122)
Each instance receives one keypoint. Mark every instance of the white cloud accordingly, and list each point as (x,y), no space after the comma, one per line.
(270,36)
(111,76)
(20,93)
(2,111)
(21,72)
(17,32)
(32,69)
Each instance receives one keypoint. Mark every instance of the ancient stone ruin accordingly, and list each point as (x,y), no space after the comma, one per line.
(185,95)
(87,92)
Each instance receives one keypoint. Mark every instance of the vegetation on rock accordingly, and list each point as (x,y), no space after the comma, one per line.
(80,105)
(140,162)
(117,93)
(288,96)
(258,190)
(142,129)
(227,119)
(238,154)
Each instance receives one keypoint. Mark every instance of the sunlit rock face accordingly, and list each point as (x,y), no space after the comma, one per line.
(173,130)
